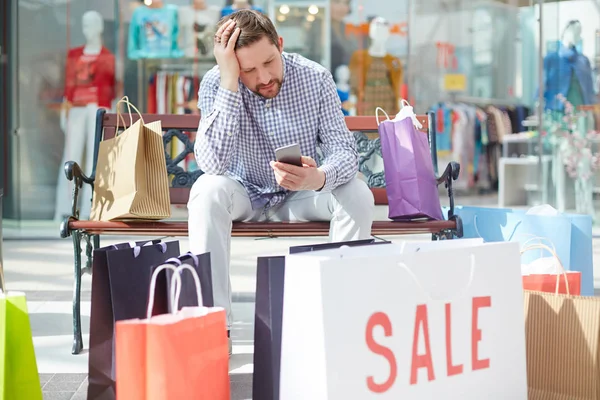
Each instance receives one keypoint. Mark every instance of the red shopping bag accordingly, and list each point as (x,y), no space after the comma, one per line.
(563,282)
(183,355)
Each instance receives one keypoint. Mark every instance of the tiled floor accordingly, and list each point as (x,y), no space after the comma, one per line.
(74,386)
(64,386)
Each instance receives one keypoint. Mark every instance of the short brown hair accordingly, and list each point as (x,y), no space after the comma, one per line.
(254,26)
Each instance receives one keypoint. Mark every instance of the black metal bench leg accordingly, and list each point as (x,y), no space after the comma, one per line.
(88,254)
(77,337)
(96,241)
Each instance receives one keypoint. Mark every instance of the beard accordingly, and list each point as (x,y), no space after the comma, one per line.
(274,91)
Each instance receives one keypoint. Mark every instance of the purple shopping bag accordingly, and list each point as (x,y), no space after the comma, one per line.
(410,181)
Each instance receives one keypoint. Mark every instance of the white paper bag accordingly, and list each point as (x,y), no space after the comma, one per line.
(421,325)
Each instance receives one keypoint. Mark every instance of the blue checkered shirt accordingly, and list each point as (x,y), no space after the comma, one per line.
(239,131)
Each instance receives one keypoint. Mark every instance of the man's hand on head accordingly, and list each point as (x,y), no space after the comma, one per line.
(291,177)
(224,51)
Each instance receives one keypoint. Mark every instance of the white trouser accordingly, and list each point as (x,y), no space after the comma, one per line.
(79,136)
(216,201)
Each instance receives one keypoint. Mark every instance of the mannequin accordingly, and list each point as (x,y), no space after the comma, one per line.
(153,32)
(342,78)
(197,23)
(379,33)
(89,85)
(376,74)
(568,72)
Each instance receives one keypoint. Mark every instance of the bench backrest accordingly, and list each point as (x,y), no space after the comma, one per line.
(176,126)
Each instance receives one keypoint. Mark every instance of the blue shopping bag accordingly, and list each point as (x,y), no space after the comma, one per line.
(569,234)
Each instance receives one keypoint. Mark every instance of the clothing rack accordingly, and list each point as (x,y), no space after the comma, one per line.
(195,67)
(482,101)
(471,130)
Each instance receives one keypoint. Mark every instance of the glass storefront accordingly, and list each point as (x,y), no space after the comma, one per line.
(469,61)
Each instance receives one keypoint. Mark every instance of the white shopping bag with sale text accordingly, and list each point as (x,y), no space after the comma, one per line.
(418,325)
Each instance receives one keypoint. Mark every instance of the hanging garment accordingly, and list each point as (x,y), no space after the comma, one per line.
(507,123)
(161,92)
(90,79)
(151,100)
(443,120)
(378,90)
(365,69)
(522,114)
(482,117)
(153,33)
(561,69)
(469,139)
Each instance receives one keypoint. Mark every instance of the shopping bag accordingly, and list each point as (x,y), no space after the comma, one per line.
(411,184)
(569,234)
(180,355)
(268,316)
(19,378)
(131,174)
(547,274)
(420,325)
(120,280)
(269,299)
(562,346)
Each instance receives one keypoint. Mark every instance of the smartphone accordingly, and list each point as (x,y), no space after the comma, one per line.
(289,154)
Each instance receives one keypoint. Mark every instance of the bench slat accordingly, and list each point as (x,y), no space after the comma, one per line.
(191,122)
(254,229)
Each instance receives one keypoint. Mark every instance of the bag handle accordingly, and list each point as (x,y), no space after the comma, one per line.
(137,249)
(125,100)
(175,293)
(541,241)
(153,286)
(408,111)
(377,114)
(475,219)
(416,280)
(177,261)
(559,263)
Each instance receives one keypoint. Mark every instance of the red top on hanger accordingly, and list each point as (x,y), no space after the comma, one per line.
(90,78)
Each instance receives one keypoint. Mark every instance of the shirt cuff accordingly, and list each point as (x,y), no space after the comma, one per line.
(330,177)
(227,101)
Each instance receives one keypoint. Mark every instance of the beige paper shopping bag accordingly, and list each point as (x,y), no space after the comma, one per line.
(563,334)
(131,174)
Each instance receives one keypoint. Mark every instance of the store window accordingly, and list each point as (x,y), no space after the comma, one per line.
(64,69)
(457,58)
(569,99)
(368,53)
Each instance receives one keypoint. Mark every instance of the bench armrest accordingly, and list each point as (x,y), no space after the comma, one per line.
(450,174)
(74,173)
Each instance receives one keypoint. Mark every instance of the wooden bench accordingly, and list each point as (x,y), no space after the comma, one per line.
(175,128)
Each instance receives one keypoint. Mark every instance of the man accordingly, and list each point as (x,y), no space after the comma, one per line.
(257,99)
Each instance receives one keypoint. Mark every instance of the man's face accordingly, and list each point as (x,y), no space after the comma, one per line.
(261,67)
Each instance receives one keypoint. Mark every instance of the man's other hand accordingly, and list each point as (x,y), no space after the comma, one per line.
(224,51)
